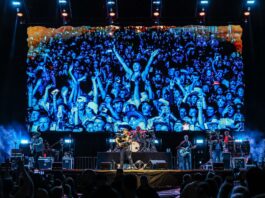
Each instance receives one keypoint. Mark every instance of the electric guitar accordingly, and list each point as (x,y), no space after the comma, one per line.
(36,146)
(123,141)
(185,151)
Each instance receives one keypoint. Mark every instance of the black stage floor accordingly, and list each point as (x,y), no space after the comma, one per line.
(159,179)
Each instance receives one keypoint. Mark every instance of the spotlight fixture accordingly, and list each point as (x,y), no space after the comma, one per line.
(204,2)
(24,141)
(247,13)
(111,140)
(156,141)
(199,141)
(156,10)
(62,1)
(156,14)
(64,14)
(20,14)
(68,141)
(202,13)
(248,6)
(157,2)
(65,11)
(16,3)
(250,2)
(112,14)
(111,10)
(110,2)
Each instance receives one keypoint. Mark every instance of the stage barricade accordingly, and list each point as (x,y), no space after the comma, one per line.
(85,162)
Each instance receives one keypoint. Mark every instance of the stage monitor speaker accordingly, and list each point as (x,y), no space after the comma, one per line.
(239,162)
(45,163)
(106,166)
(157,164)
(218,166)
(68,162)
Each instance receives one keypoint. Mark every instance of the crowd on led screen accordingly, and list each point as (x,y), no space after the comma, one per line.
(161,78)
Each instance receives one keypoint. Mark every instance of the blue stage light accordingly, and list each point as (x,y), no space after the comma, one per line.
(68,141)
(238,140)
(111,140)
(156,141)
(156,2)
(250,2)
(204,2)
(24,141)
(110,2)
(62,1)
(16,3)
(199,141)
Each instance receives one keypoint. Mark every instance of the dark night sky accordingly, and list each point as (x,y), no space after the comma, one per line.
(176,12)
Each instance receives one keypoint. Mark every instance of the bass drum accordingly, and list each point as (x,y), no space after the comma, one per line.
(135,146)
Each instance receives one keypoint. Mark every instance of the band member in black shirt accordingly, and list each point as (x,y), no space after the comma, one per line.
(124,141)
(217,147)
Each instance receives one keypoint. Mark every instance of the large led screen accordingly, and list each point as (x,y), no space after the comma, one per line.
(163,78)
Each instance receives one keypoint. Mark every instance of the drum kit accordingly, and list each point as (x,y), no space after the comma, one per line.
(140,140)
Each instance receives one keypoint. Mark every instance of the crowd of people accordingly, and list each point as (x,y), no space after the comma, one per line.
(25,183)
(155,78)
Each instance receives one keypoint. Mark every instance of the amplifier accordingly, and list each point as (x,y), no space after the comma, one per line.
(68,163)
(239,162)
(45,163)
(14,161)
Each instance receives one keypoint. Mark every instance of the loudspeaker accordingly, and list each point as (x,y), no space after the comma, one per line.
(57,166)
(68,162)
(218,166)
(45,163)
(106,166)
(238,162)
(227,160)
(157,164)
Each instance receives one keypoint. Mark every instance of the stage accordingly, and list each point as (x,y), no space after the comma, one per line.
(158,179)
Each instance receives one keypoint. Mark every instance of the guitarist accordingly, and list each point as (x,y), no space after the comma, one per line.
(184,152)
(124,141)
